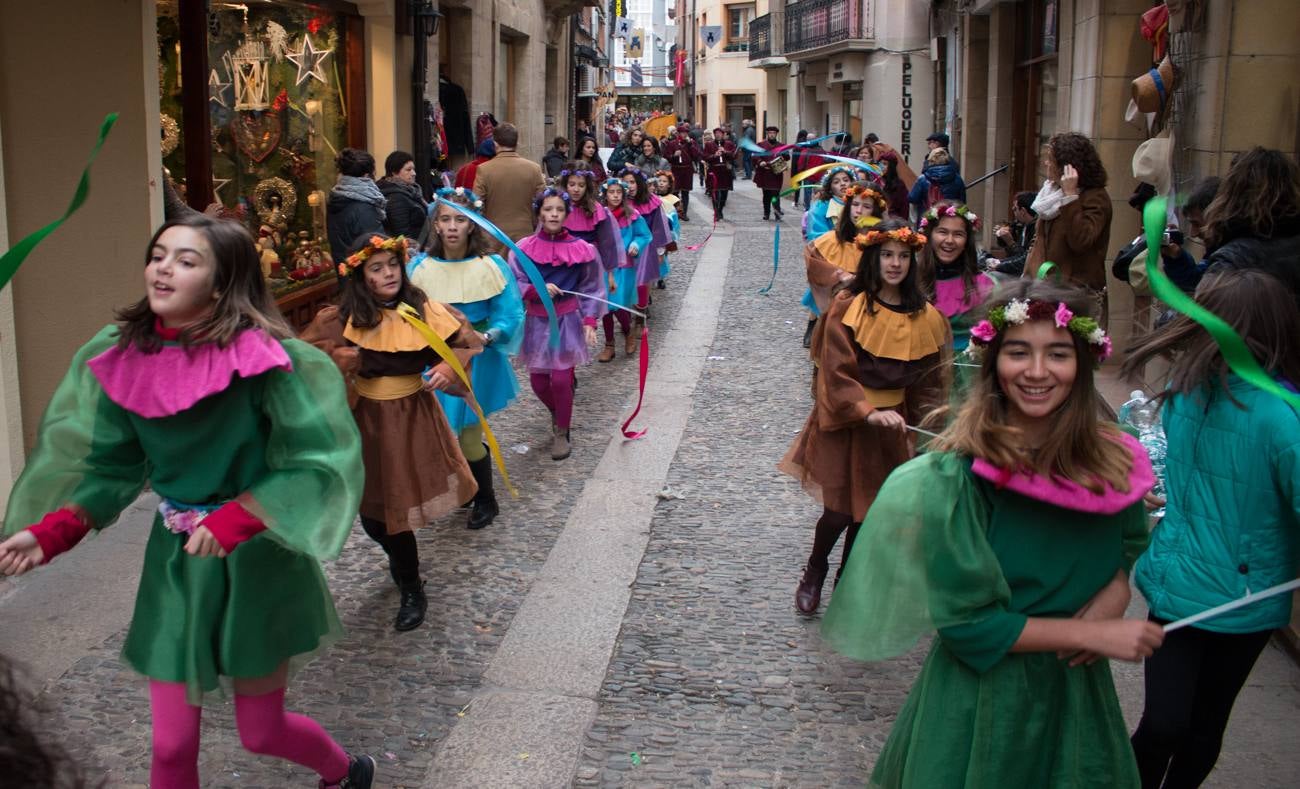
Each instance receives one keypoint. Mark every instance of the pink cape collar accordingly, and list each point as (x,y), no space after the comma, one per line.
(1070,495)
(165,383)
(950,295)
(558,250)
(580,222)
(648,206)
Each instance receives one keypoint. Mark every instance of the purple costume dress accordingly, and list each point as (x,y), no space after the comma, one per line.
(571,264)
(661,234)
(600,230)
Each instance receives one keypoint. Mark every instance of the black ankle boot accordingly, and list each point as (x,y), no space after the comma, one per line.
(410,612)
(483,507)
(807,335)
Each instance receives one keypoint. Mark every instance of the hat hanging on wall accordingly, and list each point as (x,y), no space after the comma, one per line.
(1151,163)
(1152,90)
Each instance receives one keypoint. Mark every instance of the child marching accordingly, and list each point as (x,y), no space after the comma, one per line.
(455,269)
(588,219)
(623,276)
(199,392)
(832,258)
(665,188)
(415,471)
(878,352)
(570,264)
(641,197)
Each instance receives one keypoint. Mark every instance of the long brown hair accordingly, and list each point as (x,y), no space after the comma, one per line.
(1259,195)
(242,302)
(1079,448)
(589,198)
(358,303)
(477,243)
(1255,304)
(970,264)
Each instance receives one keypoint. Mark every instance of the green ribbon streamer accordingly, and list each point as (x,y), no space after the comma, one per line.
(1234,349)
(1047,268)
(14,258)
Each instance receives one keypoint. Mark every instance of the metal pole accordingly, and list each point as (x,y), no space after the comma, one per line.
(425,21)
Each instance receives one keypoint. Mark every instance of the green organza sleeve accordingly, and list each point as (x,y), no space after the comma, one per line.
(1136,534)
(921,562)
(86,453)
(309,499)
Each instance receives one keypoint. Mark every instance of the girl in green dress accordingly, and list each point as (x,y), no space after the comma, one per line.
(244,433)
(1012,538)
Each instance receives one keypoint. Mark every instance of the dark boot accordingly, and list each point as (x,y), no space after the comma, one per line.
(361,775)
(809,594)
(410,612)
(483,507)
(807,335)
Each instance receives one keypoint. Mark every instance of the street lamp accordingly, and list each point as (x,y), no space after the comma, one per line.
(425,26)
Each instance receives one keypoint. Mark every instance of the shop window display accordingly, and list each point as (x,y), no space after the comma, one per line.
(277,107)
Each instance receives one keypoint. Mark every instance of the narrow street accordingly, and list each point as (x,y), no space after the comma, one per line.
(627,621)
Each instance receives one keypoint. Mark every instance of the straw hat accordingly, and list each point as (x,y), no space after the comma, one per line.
(1151,163)
(1151,91)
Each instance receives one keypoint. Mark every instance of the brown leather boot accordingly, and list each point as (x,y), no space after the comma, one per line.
(809,594)
(606,354)
(560,448)
(629,341)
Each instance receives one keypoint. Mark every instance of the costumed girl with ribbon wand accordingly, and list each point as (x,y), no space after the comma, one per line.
(821,219)
(1231,523)
(200,392)
(456,269)
(832,258)
(641,197)
(588,219)
(568,265)
(415,471)
(623,276)
(951,273)
(1012,537)
(665,186)
(878,352)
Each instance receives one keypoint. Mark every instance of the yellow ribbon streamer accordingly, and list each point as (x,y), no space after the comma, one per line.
(441,347)
(799,178)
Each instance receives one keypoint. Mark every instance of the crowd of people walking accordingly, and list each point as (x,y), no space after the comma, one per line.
(956,441)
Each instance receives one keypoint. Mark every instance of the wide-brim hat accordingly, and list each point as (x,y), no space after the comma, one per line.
(1152,90)
(1151,163)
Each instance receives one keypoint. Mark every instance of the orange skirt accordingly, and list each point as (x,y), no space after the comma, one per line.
(844,469)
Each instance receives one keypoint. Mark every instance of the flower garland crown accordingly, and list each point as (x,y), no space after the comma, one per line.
(905,235)
(1019,311)
(937,212)
(564,175)
(852,172)
(862,191)
(550,191)
(447,193)
(608,182)
(396,245)
(631,169)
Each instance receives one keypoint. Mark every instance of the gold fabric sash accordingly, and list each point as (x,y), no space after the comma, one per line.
(387,387)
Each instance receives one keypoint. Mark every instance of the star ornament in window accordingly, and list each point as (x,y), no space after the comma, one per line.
(310,61)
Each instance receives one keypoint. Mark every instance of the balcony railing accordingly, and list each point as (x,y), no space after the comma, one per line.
(760,37)
(810,24)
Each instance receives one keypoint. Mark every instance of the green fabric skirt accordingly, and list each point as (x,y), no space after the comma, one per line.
(1031,721)
(199,619)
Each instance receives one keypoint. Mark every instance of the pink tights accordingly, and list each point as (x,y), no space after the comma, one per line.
(555,389)
(624,323)
(264,728)
(642,297)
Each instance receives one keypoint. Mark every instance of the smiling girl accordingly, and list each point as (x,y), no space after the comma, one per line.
(456,270)
(570,264)
(832,258)
(952,276)
(878,352)
(1012,537)
(199,392)
(415,471)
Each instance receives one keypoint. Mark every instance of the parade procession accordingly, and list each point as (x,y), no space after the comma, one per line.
(650,393)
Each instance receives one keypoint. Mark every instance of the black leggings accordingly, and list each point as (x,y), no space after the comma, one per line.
(770,201)
(1191,682)
(720,199)
(403,555)
(685,196)
(829,528)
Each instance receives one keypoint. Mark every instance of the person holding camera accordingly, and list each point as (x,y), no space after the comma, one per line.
(1014,238)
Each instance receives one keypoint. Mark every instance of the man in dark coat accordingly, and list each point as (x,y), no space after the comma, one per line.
(766,177)
(682,154)
(719,155)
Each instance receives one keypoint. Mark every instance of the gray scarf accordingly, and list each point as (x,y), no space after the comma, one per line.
(363,190)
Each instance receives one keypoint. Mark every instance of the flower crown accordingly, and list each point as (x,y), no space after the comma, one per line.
(446,193)
(608,182)
(862,191)
(550,191)
(904,235)
(936,213)
(396,245)
(631,169)
(1018,311)
(836,170)
(564,174)
(663,174)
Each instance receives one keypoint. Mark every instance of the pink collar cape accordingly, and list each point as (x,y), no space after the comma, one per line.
(625,217)
(648,206)
(1070,495)
(951,299)
(154,385)
(579,221)
(561,249)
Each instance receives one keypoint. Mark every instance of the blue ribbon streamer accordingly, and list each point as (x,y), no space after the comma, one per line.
(776,248)
(753,147)
(525,262)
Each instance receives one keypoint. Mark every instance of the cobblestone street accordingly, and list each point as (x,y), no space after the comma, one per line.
(713,680)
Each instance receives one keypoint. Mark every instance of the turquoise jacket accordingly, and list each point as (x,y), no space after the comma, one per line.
(1232,525)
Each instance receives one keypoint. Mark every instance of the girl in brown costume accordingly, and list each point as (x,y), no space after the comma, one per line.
(879,350)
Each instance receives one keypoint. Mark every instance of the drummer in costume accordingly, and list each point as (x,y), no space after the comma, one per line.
(769,173)
(1011,539)
(415,471)
(455,269)
(624,276)
(832,258)
(683,155)
(718,155)
(879,352)
(570,264)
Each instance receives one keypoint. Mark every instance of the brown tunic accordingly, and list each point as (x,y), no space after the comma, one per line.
(840,459)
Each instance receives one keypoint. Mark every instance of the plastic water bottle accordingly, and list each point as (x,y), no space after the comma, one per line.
(1143,415)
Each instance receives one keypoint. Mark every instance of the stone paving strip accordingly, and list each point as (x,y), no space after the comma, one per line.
(527,726)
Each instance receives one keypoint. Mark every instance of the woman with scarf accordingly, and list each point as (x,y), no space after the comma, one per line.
(1074,212)
(355,206)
